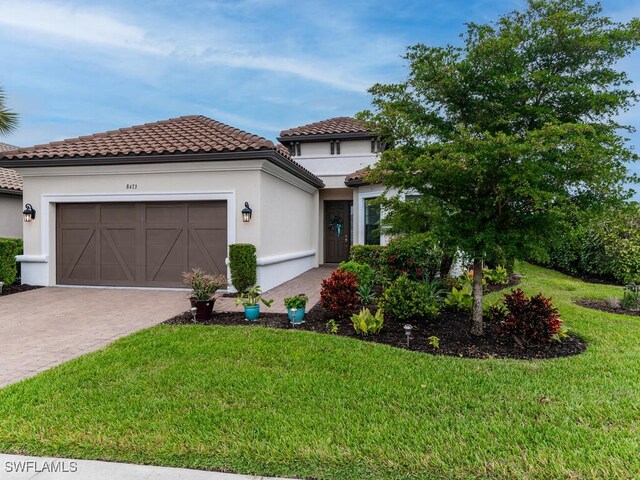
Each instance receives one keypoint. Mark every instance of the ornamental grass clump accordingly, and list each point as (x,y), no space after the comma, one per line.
(203,285)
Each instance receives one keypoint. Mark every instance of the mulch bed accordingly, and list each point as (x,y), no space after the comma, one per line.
(514,280)
(451,329)
(11,289)
(605,307)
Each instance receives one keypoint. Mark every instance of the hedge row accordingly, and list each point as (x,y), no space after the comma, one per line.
(606,247)
(9,248)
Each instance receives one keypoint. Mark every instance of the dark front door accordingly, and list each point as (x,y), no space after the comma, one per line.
(139,244)
(337,230)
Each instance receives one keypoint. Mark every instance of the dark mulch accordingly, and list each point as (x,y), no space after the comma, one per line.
(514,280)
(605,307)
(451,329)
(11,289)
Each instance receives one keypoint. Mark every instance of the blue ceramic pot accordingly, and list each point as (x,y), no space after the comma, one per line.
(252,312)
(299,315)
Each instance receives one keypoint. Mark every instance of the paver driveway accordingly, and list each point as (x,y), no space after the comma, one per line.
(45,327)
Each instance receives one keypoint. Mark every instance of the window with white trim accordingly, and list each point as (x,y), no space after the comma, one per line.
(371,222)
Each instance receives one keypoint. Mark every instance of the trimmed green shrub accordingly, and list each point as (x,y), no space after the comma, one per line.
(368,254)
(243,264)
(406,299)
(9,248)
(418,256)
(362,271)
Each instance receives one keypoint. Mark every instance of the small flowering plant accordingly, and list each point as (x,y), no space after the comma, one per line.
(203,285)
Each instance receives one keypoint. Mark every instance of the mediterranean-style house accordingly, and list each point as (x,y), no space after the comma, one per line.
(138,206)
(10,200)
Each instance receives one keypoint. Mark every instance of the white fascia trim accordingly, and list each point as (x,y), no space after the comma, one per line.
(361,198)
(339,155)
(285,258)
(48,244)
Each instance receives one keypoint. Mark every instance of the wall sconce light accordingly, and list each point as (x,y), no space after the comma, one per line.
(246,212)
(29,213)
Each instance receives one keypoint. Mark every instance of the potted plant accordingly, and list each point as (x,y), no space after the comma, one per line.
(297,302)
(203,286)
(251,301)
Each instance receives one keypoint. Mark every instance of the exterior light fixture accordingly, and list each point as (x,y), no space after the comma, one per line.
(29,213)
(407,331)
(292,316)
(246,212)
(194,312)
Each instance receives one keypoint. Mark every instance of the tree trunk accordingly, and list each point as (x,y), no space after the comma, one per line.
(476,315)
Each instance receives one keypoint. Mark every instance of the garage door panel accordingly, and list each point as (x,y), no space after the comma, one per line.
(208,215)
(78,257)
(166,213)
(78,214)
(118,251)
(206,250)
(139,244)
(119,214)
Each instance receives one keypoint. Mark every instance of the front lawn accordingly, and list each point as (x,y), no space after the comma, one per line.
(293,403)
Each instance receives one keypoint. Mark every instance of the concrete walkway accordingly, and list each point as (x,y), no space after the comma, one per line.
(309,283)
(48,326)
(19,467)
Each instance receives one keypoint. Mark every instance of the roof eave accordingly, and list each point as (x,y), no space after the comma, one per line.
(358,182)
(270,155)
(10,191)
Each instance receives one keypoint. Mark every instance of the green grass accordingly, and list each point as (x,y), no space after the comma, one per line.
(275,402)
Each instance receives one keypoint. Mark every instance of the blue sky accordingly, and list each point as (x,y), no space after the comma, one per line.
(73,67)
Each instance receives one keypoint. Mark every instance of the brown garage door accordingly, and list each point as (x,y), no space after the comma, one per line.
(139,244)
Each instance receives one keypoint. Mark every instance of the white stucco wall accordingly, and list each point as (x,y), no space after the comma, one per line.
(288,223)
(354,155)
(11,207)
(237,182)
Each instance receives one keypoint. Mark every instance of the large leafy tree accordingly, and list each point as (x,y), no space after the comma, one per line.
(505,134)
(8,119)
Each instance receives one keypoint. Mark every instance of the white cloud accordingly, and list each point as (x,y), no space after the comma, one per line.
(90,27)
(77,25)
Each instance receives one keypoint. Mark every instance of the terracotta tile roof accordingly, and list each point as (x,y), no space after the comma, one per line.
(357,178)
(5,147)
(194,134)
(332,126)
(189,134)
(10,180)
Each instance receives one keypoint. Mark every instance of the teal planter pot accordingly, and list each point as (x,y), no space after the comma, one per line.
(252,312)
(299,317)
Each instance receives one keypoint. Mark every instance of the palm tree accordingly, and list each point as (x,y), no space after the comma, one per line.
(8,119)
